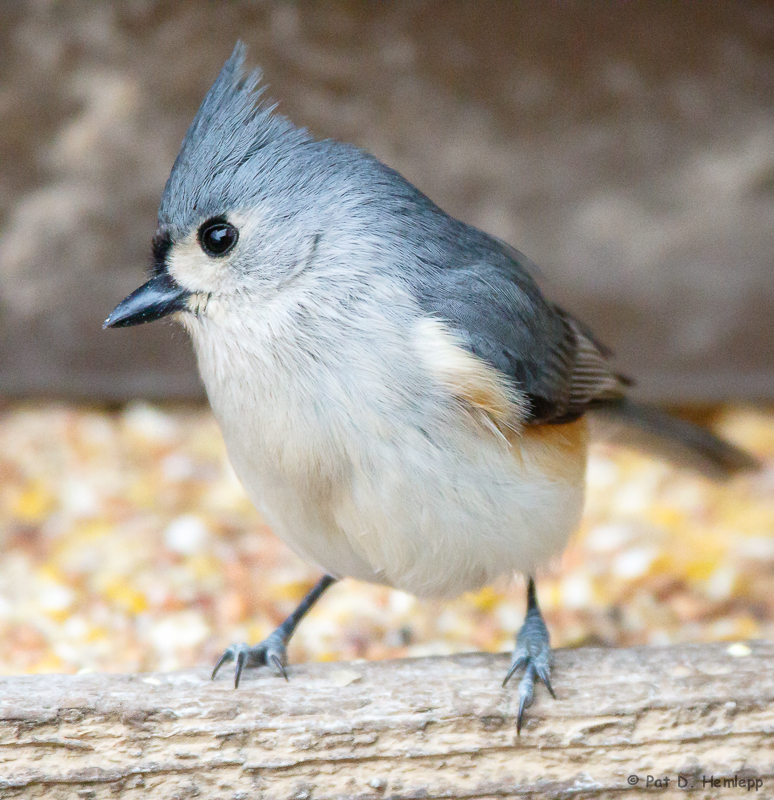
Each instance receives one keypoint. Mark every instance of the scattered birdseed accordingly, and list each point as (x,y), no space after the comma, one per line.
(129,545)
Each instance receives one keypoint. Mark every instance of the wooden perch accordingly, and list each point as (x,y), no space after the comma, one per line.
(419,728)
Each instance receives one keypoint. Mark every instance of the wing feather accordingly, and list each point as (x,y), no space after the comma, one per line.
(497,312)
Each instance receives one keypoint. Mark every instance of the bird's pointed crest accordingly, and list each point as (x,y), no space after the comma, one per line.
(232,127)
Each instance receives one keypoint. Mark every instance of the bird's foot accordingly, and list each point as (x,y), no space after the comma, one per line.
(533,652)
(270,652)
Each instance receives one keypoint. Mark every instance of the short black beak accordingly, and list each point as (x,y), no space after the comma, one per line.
(153,300)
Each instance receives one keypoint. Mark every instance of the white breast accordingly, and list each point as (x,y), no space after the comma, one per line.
(366,467)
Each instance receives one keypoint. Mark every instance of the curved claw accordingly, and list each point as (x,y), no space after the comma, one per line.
(227,656)
(526,694)
(241,661)
(523,703)
(279,667)
(544,673)
(517,664)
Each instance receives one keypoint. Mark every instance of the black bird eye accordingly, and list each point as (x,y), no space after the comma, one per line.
(217,237)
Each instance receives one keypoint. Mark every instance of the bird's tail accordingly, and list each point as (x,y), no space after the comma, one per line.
(683,443)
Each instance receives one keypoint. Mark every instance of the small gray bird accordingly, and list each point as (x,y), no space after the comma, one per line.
(399,400)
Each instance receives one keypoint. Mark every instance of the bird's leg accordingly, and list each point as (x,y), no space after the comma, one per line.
(271,651)
(533,652)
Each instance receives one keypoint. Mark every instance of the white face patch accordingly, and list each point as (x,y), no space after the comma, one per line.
(193,269)
(203,274)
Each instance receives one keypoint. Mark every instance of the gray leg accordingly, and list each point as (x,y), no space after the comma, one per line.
(271,651)
(533,652)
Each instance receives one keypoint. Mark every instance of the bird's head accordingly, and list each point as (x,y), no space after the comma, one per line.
(243,210)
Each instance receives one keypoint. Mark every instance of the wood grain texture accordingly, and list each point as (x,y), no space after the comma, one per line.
(419,728)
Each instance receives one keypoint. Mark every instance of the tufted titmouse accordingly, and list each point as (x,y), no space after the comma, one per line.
(397,397)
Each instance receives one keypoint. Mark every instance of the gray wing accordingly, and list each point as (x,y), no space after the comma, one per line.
(498,311)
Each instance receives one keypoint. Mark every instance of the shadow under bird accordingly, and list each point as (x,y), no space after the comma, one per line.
(398,398)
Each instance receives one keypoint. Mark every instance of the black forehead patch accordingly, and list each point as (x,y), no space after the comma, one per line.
(160,245)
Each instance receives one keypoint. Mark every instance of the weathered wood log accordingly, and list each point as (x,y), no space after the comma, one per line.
(429,728)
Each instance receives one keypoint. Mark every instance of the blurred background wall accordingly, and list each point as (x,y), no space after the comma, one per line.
(627,148)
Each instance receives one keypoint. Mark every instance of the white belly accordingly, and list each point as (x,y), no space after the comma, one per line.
(383,476)
(424,517)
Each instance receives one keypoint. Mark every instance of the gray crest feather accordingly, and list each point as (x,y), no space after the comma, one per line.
(216,167)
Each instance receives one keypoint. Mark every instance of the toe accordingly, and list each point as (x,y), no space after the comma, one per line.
(526,693)
(228,656)
(523,703)
(517,664)
(544,673)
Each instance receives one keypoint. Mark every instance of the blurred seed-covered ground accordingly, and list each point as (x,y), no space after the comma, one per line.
(128,544)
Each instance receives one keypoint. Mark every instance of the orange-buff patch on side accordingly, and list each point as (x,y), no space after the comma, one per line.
(558,451)
(469,378)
